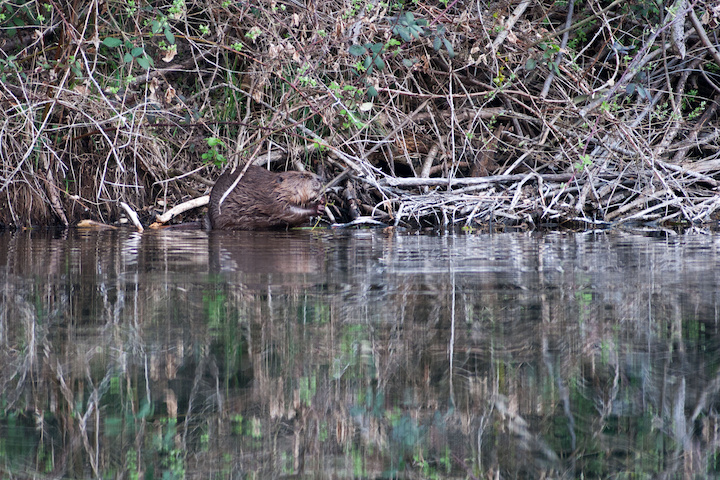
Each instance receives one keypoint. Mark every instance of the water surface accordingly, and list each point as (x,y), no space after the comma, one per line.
(358,354)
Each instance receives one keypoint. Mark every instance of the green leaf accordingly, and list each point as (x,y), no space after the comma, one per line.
(377,47)
(368,64)
(372,92)
(144,62)
(449,47)
(128,58)
(404,33)
(214,142)
(409,62)
(137,51)
(530,64)
(379,63)
(170,37)
(437,43)
(409,18)
(357,50)
(112,42)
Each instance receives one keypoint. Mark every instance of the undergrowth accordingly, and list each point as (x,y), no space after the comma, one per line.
(416,113)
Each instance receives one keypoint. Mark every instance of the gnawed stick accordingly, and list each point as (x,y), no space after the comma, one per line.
(183,207)
(132,216)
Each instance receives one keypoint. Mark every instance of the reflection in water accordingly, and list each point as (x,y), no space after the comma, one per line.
(366,354)
(262,253)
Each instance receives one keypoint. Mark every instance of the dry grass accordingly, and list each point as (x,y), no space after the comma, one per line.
(514,113)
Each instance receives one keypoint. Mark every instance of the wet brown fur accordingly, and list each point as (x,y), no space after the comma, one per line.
(264,200)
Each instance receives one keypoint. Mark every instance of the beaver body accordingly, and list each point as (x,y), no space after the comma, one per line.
(264,200)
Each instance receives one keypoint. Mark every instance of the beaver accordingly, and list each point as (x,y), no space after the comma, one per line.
(265,200)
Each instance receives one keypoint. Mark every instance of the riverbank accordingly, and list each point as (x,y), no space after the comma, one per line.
(525,115)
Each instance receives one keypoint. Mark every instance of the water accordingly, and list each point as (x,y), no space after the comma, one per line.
(358,354)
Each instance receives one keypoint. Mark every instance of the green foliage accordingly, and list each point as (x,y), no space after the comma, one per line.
(172,458)
(9,69)
(645,10)
(306,80)
(581,35)
(307,388)
(18,15)
(633,88)
(372,58)
(606,106)
(138,54)
(177,9)
(161,24)
(75,66)
(549,52)
(131,465)
(431,470)
(693,105)
(499,80)
(439,41)
(697,111)
(112,42)
(132,48)
(712,68)
(584,162)
(409,29)
(350,97)
(214,303)
(132,53)
(253,33)
(131,8)
(213,155)
(236,423)
(356,6)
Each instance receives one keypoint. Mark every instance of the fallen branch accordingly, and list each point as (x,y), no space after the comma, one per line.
(182,208)
(453,182)
(132,216)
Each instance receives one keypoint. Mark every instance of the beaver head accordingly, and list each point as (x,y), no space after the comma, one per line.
(302,191)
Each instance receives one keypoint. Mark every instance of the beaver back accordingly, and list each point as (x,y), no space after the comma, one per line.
(264,199)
